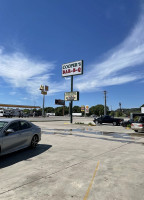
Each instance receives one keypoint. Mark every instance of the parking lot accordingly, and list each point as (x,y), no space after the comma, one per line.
(77,162)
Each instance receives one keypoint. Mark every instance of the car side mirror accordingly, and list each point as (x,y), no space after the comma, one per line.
(9,131)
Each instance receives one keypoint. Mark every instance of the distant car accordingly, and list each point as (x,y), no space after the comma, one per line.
(107,119)
(138,126)
(17,134)
(25,115)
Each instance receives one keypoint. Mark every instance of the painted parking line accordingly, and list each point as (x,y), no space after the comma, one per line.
(90,185)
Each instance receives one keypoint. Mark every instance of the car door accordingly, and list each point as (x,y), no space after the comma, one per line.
(11,141)
(106,119)
(26,132)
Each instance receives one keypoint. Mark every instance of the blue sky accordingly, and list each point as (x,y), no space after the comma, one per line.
(38,36)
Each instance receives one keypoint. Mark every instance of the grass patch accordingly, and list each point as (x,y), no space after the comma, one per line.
(129,126)
(90,124)
(79,123)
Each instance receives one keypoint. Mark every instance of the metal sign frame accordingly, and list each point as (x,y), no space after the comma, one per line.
(74,96)
(60,102)
(73,68)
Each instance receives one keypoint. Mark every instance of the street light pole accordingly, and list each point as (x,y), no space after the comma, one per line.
(43,92)
(43,112)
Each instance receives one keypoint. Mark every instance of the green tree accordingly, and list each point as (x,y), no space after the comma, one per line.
(59,111)
(49,110)
(37,112)
(118,113)
(98,109)
(26,111)
(112,113)
(66,110)
(76,109)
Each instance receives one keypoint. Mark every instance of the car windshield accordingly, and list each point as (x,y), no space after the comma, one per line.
(3,124)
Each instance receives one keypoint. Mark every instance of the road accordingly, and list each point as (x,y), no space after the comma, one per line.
(78,162)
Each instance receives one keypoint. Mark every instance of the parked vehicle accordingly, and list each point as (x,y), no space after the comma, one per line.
(50,114)
(6,113)
(107,119)
(126,123)
(17,134)
(25,115)
(139,125)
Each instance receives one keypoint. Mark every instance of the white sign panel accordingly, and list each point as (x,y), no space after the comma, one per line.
(86,109)
(71,96)
(142,109)
(73,68)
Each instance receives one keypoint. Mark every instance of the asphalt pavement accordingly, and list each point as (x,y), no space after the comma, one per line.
(76,161)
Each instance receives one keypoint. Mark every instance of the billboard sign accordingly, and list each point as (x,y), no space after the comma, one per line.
(86,109)
(46,88)
(71,96)
(41,87)
(82,108)
(59,102)
(43,92)
(73,68)
(142,109)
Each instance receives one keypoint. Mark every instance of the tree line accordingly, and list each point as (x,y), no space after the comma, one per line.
(94,110)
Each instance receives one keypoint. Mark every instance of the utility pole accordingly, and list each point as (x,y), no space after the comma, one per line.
(120,105)
(105,102)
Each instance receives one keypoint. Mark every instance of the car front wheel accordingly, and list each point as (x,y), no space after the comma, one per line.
(34,141)
(114,123)
(96,122)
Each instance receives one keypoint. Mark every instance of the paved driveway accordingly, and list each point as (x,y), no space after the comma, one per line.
(76,162)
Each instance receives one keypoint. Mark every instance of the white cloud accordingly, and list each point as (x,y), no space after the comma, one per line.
(127,55)
(20,71)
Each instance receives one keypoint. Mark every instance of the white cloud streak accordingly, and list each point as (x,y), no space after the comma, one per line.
(127,55)
(20,71)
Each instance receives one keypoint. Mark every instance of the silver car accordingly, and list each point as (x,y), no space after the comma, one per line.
(17,134)
(139,125)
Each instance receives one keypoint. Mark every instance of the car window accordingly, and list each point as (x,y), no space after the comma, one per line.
(107,117)
(141,119)
(3,124)
(14,126)
(24,125)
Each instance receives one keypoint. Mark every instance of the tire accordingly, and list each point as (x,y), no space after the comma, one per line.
(136,130)
(114,123)
(96,122)
(34,141)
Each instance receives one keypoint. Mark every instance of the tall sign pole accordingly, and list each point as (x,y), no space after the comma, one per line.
(43,112)
(71,104)
(44,90)
(71,69)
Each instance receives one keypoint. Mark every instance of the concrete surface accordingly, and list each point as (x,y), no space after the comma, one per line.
(76,162)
